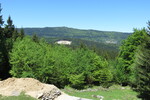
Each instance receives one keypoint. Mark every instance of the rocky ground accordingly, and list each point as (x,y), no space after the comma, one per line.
(34,88)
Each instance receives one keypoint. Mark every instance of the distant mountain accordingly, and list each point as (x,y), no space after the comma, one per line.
(104,43)
(57,33)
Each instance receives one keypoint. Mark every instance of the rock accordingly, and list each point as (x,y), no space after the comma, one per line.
(98,96)
(33,88)
(15,93)
(40,95)
(49,95)
(122,88)
(67,97)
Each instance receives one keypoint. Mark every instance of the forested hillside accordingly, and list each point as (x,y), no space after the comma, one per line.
(90,35)
(95,58)
(105,43)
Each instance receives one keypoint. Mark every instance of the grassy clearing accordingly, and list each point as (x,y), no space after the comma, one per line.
(22,96)
(112,93)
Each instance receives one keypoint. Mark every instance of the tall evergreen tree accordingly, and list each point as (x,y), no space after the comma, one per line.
(126,56)
(35,38)
(15,35)
(7,36)
(6,47)
(1,39)
(21,35)
(1,18)
(9,28)
(142,68)
(148,26)
(4,61)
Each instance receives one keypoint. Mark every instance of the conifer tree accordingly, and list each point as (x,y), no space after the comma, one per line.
(127,56)
(142,68)
(1,38)
(1,18)
(9,28)
(4,61)
(21,35)
(8,35)
(148,27)
(15,35)
(35,38)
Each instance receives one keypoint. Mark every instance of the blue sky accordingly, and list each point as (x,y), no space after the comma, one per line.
(107,15)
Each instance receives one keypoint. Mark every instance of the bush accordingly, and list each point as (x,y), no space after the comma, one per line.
(77,81)
(58,64)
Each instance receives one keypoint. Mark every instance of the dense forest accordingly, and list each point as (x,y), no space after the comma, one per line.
(105,43)
(76,66)
(55,33)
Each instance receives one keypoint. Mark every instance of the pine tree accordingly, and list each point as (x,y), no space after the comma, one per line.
(1,18)
(9,28)
(127,56)
(1,40)
(21,35)
(35,38)
(142,68)
(4,61)
(148,27)
(15,35)
(8,35)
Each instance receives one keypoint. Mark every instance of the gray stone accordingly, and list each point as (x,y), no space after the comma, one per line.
(98,96)
(49,95)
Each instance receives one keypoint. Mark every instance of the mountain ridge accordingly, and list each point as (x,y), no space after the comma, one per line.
(74,33)
(78,29)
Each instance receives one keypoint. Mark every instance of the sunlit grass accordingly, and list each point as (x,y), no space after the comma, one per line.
(112,93)
(22,96)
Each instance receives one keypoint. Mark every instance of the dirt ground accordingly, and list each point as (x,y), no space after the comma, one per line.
(32,87)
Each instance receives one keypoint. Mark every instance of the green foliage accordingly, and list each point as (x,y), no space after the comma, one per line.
(95,40)
(1,17)
(26,57)
(93,66)
(57,64)
(8,35)
(102,76)
(126,56)
(5,47)
(115,92)
(1,39)
(35,38)
(148,27)
(77,81)
(142,69)
(21,33)
(89,35)
(9,28)
(22,96)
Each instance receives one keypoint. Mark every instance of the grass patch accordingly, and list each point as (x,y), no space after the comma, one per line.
(113,93)
(22,96)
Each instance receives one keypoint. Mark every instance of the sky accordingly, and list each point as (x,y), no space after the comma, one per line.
(105,15)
